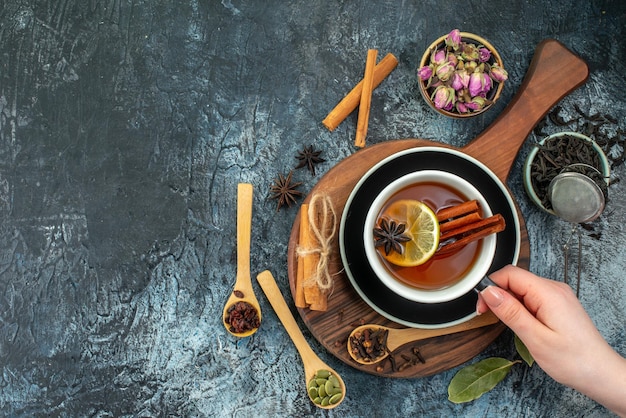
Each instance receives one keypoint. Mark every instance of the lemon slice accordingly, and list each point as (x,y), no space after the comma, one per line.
(422,228)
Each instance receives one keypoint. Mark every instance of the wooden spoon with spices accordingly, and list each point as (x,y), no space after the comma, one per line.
(242,313)
(398,337)
(319,376)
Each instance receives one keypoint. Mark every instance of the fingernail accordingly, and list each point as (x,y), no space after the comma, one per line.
(492,296)
(479,305)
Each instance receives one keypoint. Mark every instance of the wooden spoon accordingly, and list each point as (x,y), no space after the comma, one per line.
(312,363)
(398,337)
(242,291)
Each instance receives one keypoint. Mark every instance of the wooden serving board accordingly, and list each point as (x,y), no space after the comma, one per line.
(553,73)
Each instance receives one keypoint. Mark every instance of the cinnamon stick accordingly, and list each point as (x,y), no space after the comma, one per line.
(300,301)
(366,99)
(459,222)
(311,292)
(475,226)
(458,210)
(353,98)
(471,238)
(472,232)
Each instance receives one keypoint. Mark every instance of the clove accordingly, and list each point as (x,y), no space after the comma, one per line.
(369,344)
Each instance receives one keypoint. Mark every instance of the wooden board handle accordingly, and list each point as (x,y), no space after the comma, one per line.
(554,72)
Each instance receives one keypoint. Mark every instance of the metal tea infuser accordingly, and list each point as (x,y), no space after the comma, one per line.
(575,196)
(578,195)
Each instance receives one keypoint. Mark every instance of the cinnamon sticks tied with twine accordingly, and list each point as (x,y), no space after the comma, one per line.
(318,225)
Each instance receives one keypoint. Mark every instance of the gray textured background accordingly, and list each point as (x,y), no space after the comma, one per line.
(125,127)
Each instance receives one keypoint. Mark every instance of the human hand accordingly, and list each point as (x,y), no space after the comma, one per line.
(549,319)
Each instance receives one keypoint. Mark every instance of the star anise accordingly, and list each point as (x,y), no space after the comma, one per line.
(309,158)
(285,190)
(390,235)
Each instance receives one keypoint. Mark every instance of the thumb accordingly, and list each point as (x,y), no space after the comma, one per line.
(509,310)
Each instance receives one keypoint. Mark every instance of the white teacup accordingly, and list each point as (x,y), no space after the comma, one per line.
(472,276)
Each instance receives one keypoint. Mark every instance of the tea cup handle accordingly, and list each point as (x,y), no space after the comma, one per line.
(484,283)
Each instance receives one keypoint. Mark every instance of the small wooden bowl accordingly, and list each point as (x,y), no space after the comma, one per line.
(494,93)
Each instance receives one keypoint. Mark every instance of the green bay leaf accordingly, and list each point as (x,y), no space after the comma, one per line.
(522,350)
(473,381)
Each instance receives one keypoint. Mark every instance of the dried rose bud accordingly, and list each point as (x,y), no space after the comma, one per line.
(477,103)
(484,54)
(471,66)
(460,80)
(498,73)
(445,71)
(453,59)
(479,84)
(453,39)
(433,83)
(438,57)
(425,73)
(461,107)
(444,97)
(470,52)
